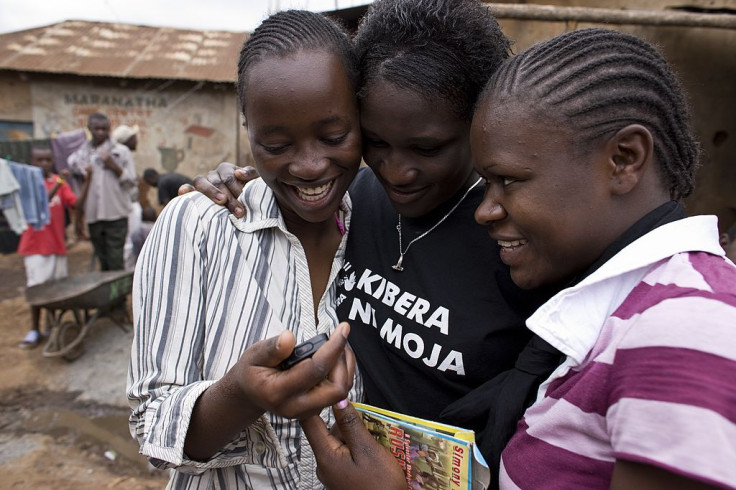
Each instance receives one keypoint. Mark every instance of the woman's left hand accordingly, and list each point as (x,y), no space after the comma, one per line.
(358,463)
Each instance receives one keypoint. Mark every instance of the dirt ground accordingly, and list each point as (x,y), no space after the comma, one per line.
(63,425)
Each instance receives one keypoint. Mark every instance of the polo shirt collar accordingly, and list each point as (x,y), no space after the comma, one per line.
(572,319)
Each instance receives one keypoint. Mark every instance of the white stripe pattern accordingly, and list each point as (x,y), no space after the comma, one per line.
(206,287)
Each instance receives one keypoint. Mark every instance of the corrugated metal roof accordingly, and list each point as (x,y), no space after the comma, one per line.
(123,50)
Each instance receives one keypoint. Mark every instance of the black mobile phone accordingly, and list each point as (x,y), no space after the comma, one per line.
(304,350)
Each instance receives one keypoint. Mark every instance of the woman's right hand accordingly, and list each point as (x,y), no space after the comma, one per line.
(223,185)
(302,390)
(256,384)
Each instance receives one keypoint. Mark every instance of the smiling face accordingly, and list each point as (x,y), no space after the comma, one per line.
(418,149)
(547,202)
(303,128)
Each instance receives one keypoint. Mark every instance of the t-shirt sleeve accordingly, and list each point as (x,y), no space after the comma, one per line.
(673,388)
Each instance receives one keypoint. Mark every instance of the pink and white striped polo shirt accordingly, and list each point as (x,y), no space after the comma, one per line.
(650,373)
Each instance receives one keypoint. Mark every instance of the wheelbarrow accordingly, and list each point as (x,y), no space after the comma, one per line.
(80,294)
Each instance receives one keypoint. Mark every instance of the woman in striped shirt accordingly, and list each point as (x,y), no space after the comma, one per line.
(220,302)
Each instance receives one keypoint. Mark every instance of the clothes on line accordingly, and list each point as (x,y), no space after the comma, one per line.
(62,146)
(32,199)
(10,203)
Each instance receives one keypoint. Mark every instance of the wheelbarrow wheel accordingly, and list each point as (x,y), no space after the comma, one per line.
(68,333)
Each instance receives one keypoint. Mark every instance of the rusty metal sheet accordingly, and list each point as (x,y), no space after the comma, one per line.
(123,50)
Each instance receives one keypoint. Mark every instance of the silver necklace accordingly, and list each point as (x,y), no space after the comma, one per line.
(397,266)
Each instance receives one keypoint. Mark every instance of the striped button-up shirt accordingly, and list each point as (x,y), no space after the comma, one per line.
(206,287)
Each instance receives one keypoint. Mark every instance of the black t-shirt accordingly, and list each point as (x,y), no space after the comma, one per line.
(451,320)
(168,186)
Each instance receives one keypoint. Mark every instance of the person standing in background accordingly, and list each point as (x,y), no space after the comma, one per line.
(106,199)
(168,184)
(44,250)
(128,136)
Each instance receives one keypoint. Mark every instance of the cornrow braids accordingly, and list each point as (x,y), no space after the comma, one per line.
(288,32)
(600,81)
(439,48)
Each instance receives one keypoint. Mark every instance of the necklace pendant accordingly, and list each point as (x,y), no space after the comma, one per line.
(398,267)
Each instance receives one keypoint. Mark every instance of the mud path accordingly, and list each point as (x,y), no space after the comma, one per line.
(63,425)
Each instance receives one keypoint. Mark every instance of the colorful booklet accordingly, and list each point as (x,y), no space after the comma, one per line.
(434,456)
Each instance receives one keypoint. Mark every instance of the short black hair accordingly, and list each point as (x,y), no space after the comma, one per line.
(599,81)
(289,32)
(96,116)
(150,174)
(438,48)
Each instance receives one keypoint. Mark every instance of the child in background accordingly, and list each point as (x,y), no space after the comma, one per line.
(586,148)
(44,250)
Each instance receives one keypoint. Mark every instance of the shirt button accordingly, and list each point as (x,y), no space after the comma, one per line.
(260,447)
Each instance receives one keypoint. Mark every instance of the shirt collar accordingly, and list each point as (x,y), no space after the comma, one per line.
(262,210)
(572,319)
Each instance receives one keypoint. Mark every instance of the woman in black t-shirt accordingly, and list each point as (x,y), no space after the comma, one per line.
(434,315)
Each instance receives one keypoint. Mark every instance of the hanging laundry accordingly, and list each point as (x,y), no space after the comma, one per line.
(10,203)
(63,145)
(33,197)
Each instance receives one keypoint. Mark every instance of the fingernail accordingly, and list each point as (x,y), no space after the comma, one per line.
(219,196)
(342,404)
(239,211)
(345,329)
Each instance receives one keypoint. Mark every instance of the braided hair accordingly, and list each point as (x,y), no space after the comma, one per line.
(438,48)
(600,81)
(288,32)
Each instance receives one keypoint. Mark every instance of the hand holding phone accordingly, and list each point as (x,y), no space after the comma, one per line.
(304,350)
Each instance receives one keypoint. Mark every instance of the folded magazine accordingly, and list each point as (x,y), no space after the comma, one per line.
(433,456)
